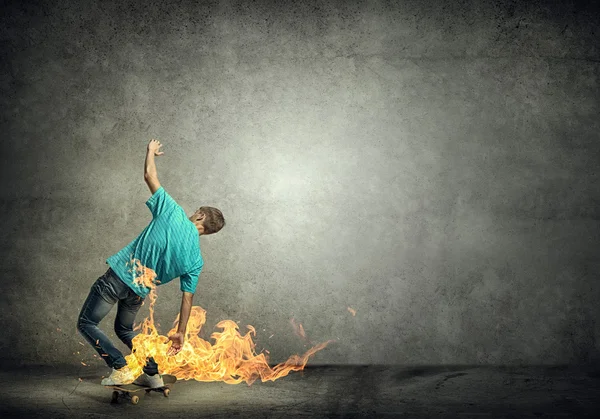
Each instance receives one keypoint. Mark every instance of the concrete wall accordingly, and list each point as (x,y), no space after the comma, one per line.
(432,165)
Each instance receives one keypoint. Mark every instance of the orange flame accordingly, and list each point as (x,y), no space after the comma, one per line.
(231,358)
(298,329)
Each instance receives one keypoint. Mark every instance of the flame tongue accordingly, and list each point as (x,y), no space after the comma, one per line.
(231,358)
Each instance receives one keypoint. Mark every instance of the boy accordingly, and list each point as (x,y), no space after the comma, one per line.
(170,246)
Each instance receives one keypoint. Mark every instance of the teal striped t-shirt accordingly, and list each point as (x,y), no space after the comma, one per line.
(169,245)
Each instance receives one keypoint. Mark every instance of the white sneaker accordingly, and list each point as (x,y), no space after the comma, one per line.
(151,381)
(118,377)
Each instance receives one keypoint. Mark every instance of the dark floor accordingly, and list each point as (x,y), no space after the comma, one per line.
(341,391)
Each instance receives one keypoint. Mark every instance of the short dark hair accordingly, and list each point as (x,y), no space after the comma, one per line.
(214,220)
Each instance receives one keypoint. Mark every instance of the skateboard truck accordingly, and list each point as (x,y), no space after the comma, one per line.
(133,398)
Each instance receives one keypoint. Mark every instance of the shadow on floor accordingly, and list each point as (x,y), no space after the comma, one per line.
(318,391)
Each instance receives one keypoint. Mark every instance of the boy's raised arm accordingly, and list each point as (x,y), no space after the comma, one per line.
(150,173)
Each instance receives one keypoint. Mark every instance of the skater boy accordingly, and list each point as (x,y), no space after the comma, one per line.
(170,246)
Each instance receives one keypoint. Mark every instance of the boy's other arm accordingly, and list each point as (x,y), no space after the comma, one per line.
(186,308)
(179,337)
(150,173)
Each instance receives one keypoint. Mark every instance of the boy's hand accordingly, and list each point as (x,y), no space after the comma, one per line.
(153,146)
(177,339)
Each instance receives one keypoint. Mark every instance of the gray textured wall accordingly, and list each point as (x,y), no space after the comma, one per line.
(433,166)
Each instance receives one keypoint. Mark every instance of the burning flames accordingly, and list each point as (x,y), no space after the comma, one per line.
(231,358)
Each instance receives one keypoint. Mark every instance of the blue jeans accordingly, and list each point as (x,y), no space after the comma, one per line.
(104,294)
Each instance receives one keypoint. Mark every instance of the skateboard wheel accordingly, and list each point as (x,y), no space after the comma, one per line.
(166,392)
(135,399)
(115,396)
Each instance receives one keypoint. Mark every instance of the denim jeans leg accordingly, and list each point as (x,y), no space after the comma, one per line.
(100,300)
(126,312)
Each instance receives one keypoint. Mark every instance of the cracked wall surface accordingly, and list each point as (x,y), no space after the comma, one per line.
(417,180)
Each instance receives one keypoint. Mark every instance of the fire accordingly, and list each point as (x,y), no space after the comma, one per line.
(298,328)
(231,358)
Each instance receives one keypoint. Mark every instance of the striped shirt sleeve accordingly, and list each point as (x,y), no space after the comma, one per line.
(189,280)
(160,202)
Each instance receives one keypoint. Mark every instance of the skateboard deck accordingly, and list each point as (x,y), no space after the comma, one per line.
(126,391)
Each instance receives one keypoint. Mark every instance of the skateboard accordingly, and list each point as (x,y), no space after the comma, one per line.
(126,391)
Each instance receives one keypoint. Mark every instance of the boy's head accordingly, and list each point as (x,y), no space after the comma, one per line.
(209,220)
